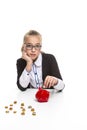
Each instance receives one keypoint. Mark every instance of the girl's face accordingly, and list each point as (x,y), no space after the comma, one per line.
(33,46)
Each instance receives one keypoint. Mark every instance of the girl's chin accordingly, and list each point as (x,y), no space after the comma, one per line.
(34,59)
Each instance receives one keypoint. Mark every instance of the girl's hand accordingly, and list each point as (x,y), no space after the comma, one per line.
(50,81)
(28,59)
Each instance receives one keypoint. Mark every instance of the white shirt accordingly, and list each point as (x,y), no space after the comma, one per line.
(33,79)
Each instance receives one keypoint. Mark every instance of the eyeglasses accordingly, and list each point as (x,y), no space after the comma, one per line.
(30,47)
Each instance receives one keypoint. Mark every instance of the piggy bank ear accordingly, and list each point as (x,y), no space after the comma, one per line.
(42,95)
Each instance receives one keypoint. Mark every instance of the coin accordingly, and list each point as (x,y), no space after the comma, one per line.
(32,109)
(6,111)
(22,104)
(33,113)
(14,112)
(11,105)
(15,102)
(23,109)
(29,106)
(10,108)
(6,107)
(22,113)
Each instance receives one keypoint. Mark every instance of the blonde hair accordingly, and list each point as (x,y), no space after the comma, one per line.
(30,33)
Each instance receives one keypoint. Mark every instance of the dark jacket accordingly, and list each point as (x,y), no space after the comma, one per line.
(49,67)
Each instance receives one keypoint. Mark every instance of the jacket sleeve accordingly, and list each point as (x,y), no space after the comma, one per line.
(20,64)
(54,68)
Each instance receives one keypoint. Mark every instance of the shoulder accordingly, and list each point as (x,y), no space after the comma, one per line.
(21,61)
(48,56)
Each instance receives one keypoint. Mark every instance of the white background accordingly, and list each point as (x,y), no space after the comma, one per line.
(63,25)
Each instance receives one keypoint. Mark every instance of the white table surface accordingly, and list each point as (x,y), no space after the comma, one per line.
(62,111)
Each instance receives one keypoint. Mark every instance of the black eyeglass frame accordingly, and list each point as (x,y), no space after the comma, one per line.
(30,46)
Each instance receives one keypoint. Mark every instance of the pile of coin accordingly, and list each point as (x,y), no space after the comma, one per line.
(10,108)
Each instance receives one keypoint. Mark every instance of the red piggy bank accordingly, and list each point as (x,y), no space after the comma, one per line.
(42,95)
